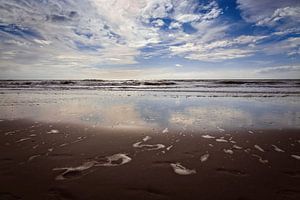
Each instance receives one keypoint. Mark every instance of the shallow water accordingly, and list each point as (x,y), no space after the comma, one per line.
(151,110)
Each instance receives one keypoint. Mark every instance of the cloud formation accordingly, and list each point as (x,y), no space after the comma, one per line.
(280,69)
(84,37)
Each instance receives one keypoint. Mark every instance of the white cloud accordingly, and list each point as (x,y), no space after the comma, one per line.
(184,18)
(269,12)
(178,65)
(288,13)
(174,25)
(289,46)
(279,69)
(158,23)
(92,31)
(218,50)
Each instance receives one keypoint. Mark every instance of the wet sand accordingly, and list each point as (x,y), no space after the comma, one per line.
(41,160)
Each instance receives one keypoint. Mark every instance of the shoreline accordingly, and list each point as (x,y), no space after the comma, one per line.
(237,174)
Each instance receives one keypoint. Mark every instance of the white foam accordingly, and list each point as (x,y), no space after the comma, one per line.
(259,148)
(220,129)
(260,159)
(237,147)
(247,150)
(276,148)
(204,157)
(181,170)
(79,139)
(9,133)
(53,131)
(146,138)
(211,145)
(221,140)
(67,170)
(137,145)
(208,136)
(169,147)
(33,157)
(23,139)
(250,132)
(296,157)
(166,130)
(111,159)
(229,151)
(110,162)
(148,146)
(32,135)
(35,146)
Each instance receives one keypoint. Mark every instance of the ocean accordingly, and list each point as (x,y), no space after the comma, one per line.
(204,88)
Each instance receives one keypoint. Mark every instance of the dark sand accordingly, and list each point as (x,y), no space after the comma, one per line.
(149,175)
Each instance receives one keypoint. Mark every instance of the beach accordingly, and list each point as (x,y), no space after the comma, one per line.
(150,140)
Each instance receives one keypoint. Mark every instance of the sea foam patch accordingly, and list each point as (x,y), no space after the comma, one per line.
(208,136)
(53,131)
(181,170)
(166,130)
(204,157)
(237,147)
(22,140)
(296,157)
(146,138)
(259,148)
(276,148)
(73,172)
(33,157)
(220,129)
(9,133)
(169,147)
(109,161)
(260,159)
(115,160)
(221,140)
(148,146)
(228,151)
(79,139)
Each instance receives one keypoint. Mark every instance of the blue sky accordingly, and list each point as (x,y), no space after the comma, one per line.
(149,39)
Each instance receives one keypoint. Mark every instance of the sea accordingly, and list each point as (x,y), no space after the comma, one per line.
(205,88)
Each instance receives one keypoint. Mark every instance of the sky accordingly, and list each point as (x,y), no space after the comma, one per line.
(149,39)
